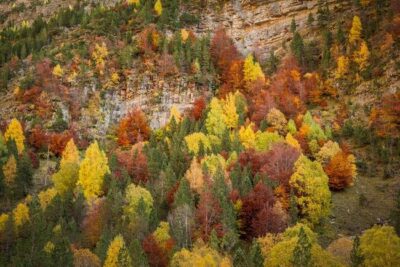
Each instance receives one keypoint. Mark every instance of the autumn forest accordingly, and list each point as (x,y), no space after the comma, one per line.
(155,133)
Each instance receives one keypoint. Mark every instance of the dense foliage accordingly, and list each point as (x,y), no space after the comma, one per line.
(245,176)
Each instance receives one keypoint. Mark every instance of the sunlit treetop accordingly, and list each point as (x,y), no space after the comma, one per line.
(15,132)
(158,8)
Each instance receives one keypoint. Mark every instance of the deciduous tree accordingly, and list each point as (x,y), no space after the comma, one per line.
(310,185)
(258,215)
(216,121)
(208,216)
(279,163)
(198,107)
(46,197)
(195,176)
(70,155)
(65,179)
(356,30)
(252,70)
(380,246)
(276,119)
(92,170)
(58,71)
(158,8)
(247,136)
(94,222)
(117,254)
(342,67)
(362,55)
(99,54)
(201,255)
(10,171)
(20,215)
(133,128)
(341,170)
(134,195)
(283,247)
(15,132)
(327,151)
(84,258)
(195,140)
(229,107)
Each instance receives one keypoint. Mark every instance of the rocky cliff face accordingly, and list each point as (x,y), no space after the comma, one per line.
(263,25)
(255,25)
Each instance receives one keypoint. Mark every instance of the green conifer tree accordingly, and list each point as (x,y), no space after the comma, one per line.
(355,256)
(302,251)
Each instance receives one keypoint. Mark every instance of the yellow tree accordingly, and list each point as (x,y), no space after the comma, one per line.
(175,114)
(115,78)
(117,254)
(14,132)
(265,140)
(65,179)
(21,215)
(290,140)
(10,171)
(184,35)
(356,30)
(281,248)
(327,151)
(195,176)
(201,255)
(58,71)
(310,186)
(230,112)
(99,54)
(3,221)
(361,56)
(212,163)
(252,70)
(247,136)
(216,120)
(92,171)
(161,234)
(133,196)
(70,154)
(342,67)
(158,7)
(46,197)
(133,2)
(380,246)
(277,120)
(194,140)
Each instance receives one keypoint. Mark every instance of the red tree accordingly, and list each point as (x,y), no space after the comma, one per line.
(258,215)
(208,216)
(223,52)
(93,223)
(252,159)
(58,141)
(133,128)
(198,107)
(135,163)
(156,256)
(262,102)
(38,138)
(385,119)
(286,92)
(279,162)
(232,78)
